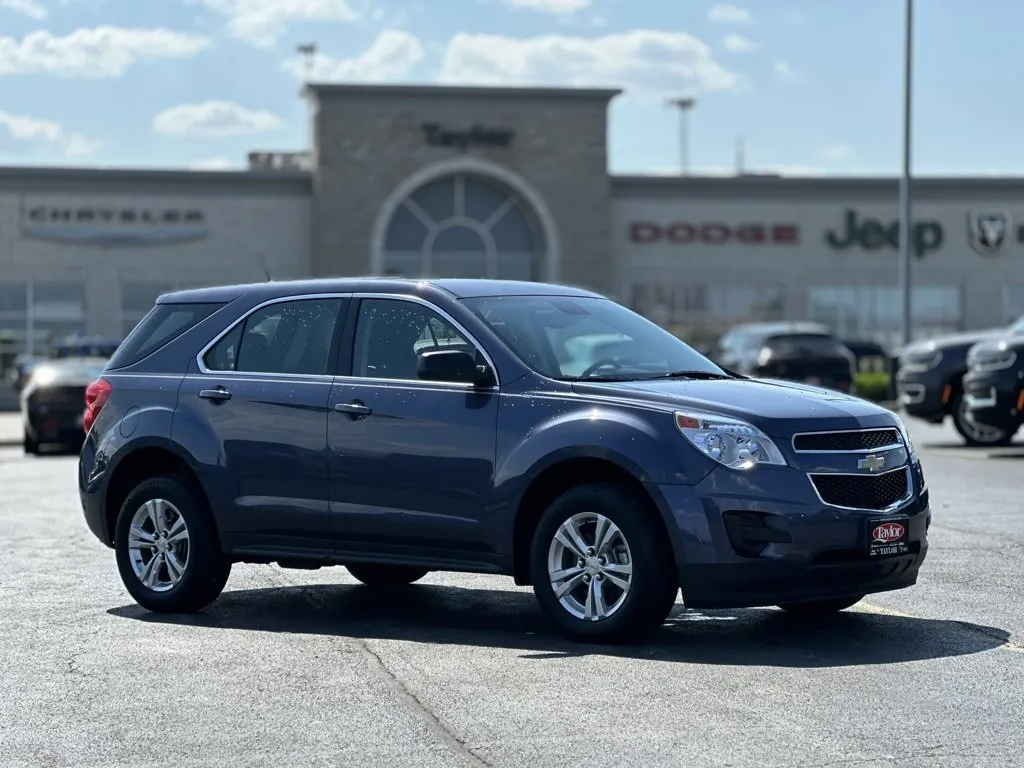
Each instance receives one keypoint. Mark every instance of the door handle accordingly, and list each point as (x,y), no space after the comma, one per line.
(354,410)
(217,395)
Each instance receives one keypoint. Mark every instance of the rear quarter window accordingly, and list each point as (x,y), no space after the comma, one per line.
(163,324)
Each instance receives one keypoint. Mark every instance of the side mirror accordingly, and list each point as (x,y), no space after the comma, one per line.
(453,365)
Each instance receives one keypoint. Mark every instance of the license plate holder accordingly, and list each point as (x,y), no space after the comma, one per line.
(888,536)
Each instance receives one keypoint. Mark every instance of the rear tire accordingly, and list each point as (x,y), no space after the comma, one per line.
(30,445)
(821,607)
(977,435)
(167,547)
(386,575)
(603,539)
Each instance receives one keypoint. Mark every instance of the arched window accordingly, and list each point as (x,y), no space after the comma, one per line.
(464,225)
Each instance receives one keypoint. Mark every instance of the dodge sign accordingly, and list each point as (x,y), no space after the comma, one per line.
(713,233)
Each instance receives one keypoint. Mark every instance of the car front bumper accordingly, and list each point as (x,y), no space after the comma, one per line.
(923,394)
(819,552)
(994,398)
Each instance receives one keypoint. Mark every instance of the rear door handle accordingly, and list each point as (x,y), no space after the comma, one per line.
(217,395)
(355,410)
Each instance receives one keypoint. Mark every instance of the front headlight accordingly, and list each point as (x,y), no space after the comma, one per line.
(731,442)
(922,360)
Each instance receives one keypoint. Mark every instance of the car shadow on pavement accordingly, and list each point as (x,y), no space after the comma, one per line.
(446,615)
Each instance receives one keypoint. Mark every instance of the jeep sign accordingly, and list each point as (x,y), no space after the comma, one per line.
(713,233)
(872,235)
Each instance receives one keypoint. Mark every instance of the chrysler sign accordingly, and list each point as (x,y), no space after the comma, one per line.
(713,233)
(112,224)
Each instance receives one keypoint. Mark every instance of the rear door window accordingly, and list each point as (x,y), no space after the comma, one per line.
(162,325)
(289,337)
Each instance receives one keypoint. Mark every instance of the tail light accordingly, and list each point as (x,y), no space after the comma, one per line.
(96,395)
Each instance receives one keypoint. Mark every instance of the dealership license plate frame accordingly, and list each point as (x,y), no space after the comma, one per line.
(897,548)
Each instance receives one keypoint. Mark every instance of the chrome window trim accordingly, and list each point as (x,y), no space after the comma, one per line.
(894,507)
(448,318)
(278,300)
(888,447)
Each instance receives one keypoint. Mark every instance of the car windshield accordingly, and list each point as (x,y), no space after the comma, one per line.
(570,338)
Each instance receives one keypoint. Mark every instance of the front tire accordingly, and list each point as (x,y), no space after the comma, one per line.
(386,575)
(167,547)
(977,435)
(601,566)
(821,607)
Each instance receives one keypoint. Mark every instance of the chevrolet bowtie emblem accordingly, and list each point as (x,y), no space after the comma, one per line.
(871,463)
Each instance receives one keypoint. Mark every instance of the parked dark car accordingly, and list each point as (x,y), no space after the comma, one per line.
(994,384)
(802,352)
(400,427)
(930,382)
(52,399)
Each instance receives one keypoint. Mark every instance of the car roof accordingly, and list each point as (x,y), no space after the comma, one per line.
(458,288)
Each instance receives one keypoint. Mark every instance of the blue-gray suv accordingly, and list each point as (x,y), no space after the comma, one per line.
(546,433)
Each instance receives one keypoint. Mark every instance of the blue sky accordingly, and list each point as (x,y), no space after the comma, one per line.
(812,86)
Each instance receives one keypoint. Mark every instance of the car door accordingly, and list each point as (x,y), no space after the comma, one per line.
(411,461)
(262,392)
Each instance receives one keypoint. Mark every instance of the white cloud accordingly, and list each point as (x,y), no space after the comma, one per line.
(29,8)
(94,52)
(727,13)
(215,164)
(641,60)
(838,152)
(553,7)
(739,44)
(214,119)
(262,22)
(728,170)
(783,69)
(47,133)
(392,56)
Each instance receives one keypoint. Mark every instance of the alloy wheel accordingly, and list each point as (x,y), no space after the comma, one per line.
(590,566)
(158,545)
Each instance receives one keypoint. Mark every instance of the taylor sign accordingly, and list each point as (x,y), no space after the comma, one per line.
(713,233)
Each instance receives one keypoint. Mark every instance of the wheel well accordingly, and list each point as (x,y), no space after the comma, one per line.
(139,466)
(552,483)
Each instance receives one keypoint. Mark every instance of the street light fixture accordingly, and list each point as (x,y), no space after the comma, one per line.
(684,106)
(308,50)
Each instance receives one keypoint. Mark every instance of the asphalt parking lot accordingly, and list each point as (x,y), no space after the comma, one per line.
(294,668)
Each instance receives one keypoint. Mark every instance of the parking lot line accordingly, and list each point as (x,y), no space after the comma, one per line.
(1007,645)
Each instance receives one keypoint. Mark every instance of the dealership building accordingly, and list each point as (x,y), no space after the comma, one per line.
(507,183)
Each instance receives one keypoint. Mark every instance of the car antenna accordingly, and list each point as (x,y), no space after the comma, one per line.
(266,269)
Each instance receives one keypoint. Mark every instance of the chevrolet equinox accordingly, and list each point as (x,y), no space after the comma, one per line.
(546,433)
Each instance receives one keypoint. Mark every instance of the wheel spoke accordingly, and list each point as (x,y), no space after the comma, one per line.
(606,533)
(175,568)
(140,539)
(568,586)
(571,539)
(565,573)
(151,572)
(622,584)
(595,609)
(155,511)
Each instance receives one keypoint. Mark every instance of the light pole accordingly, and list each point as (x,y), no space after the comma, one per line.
(905,194)
(684,106)
(308,50)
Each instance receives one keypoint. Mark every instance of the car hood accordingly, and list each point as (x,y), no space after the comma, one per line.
(778,408)
(953,341)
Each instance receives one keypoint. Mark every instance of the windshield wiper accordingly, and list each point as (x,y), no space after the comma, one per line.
(598,379)
(691,375)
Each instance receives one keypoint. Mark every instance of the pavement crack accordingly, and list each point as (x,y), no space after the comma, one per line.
(434,722)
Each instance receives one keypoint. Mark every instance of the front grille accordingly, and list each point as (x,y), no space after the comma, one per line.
(862,491)
(859,440)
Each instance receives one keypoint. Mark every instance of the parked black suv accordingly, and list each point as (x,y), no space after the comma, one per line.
(930,382)
(994,384)
(545,433)
(794,351)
